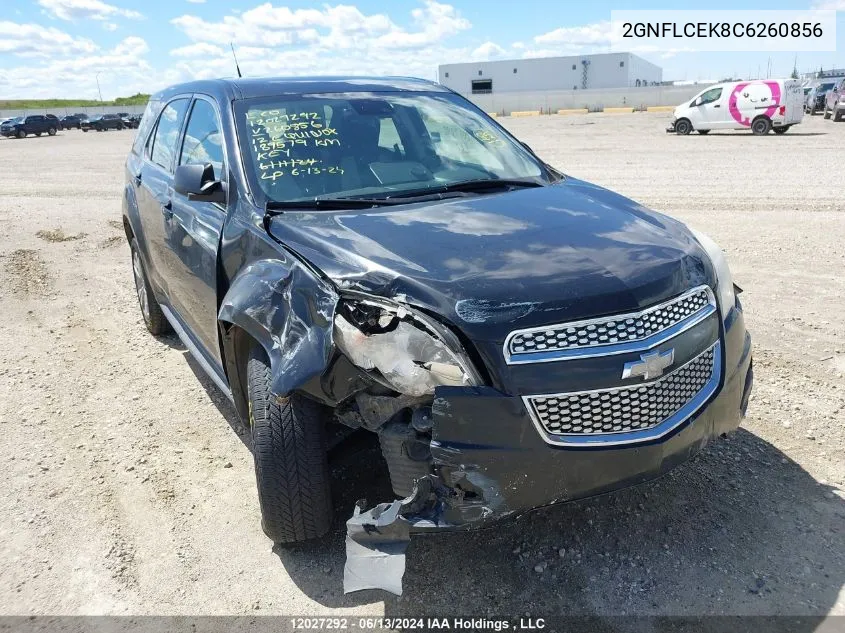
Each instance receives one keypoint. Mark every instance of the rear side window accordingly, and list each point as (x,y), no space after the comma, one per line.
(147,121)
(203,140)
(167,133)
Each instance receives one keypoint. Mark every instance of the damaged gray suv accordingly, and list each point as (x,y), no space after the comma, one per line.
(378,254)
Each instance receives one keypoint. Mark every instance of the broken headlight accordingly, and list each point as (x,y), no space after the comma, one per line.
(726,295)
(412,352)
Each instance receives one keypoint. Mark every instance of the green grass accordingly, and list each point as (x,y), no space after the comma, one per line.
(42,104)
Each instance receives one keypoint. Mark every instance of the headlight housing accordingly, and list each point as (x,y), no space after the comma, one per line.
(411,352)
(725,285)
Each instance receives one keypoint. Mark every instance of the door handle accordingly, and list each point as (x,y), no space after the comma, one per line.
(717,106)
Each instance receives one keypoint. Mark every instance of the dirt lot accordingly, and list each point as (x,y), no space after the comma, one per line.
(128,484)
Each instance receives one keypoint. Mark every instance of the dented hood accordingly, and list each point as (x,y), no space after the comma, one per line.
(491,263)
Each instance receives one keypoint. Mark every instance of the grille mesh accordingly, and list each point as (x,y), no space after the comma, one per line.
(624,409)
(613,329)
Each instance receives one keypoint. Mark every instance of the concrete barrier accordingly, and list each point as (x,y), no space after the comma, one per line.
(526,113)
(618,110)
(660,108)
(573,111)
(493,114)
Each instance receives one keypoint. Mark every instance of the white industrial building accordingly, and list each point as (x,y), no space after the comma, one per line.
(576,72)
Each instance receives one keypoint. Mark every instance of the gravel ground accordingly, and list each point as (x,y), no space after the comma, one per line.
(128,483)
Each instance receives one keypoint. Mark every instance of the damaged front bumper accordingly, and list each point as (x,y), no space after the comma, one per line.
(491,463)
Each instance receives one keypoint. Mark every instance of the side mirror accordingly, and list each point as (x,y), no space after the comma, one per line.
(197,183)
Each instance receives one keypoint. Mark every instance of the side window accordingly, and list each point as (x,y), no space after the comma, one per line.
(203,139)
(167,133)
(711,95)
(388,137)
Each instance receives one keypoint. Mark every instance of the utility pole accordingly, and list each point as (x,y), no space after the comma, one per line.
(99,92)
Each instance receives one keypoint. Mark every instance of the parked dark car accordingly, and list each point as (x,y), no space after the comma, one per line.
(71,121)
(103,122)
(834,104)
(817,96)
(380,255)
(37,124)
(131,121)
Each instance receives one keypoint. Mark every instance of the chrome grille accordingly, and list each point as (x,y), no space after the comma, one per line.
(610,330)
(626,409)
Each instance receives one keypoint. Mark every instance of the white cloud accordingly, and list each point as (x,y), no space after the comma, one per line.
(131,46)
(597,35)
(341,27)
(34,40)
(488,50)
(200,49)
(85,9)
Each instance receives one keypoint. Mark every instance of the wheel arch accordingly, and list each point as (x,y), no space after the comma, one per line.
(281,306)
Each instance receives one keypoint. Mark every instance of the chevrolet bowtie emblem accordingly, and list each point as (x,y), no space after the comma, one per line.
(650,365)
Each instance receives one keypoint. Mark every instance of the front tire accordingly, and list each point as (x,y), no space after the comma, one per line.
(683,127)
(781,130)
(761,125)
(703,132)
(291,465)
(838,115)
(154,318)
(51,131)
(826,113)
(21,134)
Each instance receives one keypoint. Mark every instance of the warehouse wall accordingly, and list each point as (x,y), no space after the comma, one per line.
(60,112)
(593,100)
(610,70)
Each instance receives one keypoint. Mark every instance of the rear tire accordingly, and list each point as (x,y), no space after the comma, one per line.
(38,134)
(683,127)
(291,465)
(781,130)
(761,125)
(703,132)
(826,113)
(51,131)
(838,115)
(21,134)
(154,318)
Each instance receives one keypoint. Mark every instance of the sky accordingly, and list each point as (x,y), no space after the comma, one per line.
(62,48)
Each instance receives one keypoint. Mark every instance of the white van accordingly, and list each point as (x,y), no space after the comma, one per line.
(760,105)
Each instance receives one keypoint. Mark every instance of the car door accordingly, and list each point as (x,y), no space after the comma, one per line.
(711,111)
(154,187)
(194,232)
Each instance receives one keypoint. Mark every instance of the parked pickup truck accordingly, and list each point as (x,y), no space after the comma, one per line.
(380,255)
(21,127)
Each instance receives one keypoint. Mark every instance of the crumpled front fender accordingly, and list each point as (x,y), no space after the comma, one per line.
(289,311)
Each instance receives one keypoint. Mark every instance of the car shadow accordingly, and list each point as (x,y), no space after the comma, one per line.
(218,398)
(748,133)
(740,529)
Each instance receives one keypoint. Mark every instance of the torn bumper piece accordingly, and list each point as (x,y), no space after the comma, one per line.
(490,462)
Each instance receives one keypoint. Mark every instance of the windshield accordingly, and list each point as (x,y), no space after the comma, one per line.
(373,145)
(825,87)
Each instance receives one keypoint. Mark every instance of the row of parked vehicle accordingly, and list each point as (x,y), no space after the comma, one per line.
(49,124)
(826,97)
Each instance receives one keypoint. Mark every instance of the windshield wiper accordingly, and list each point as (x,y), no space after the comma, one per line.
(327,204)
(469,186)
